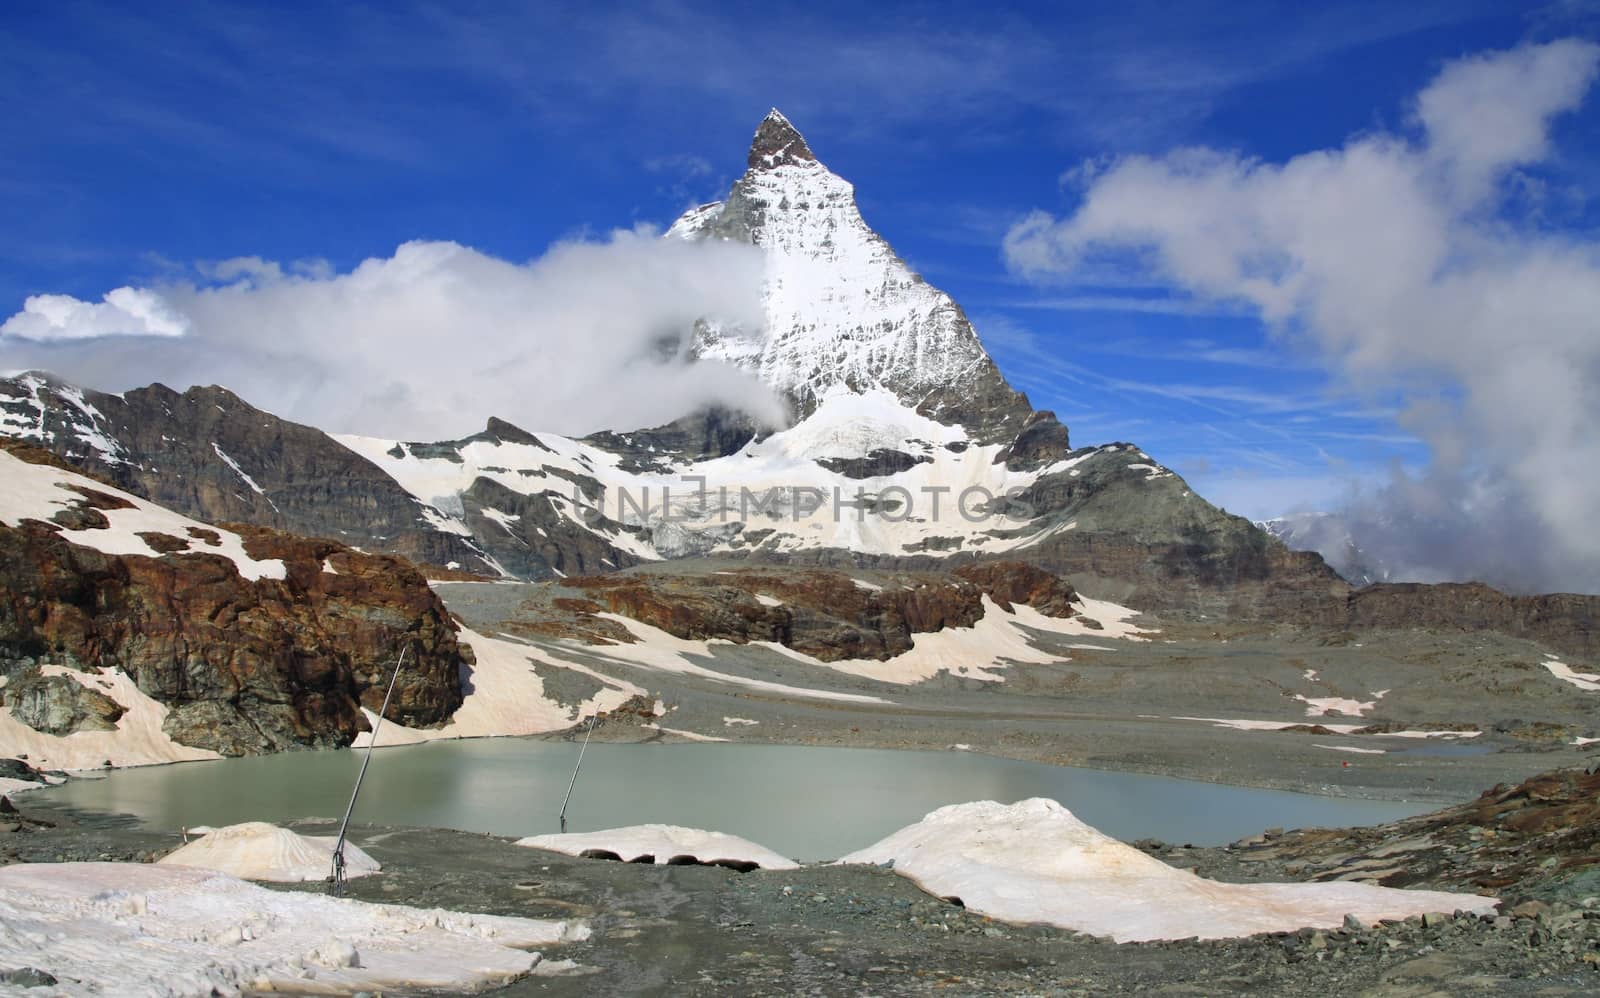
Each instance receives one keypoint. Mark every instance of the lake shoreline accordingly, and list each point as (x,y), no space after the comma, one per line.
(810,802)
(830,929)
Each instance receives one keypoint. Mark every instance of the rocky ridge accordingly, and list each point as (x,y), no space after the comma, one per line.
(828,615)
(211,455)
(241,665)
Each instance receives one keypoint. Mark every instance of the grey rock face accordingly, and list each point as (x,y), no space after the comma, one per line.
(211,455)
(708,433)
(59,705)
(529,536)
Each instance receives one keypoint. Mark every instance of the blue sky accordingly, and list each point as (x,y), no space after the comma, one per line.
(142,141)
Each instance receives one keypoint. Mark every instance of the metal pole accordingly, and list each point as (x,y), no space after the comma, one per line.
(573,782)
(344,826)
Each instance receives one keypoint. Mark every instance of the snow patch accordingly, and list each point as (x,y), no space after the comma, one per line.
(1340,729)
(256,850)
(1582,680)
(654,648)
(151,930)
(1035,862)
(36,491)
(230,462)
(686,735)
(663,842)
(1323,706)
(504,697)
(137,739)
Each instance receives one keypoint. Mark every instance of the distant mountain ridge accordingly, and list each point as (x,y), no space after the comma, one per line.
(909,448)
(1329,535)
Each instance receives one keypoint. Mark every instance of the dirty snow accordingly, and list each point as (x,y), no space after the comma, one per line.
(663,842)
(256,850)
(137,739)
(504,696)
(1035,862)
(134,930)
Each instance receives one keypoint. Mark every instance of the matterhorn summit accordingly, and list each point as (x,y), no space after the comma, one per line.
(841,307)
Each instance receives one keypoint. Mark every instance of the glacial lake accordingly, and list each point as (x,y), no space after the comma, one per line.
(806,802)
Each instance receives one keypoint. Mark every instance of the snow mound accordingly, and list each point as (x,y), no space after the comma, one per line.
(664,843)
(256,850)
(145,930)
(1033,861)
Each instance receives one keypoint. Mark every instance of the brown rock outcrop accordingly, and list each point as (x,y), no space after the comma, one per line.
(1010,582)
(244,666)
(824,614)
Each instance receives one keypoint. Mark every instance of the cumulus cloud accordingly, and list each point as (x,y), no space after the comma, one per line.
(1407,257)
(428,342)
(121,312)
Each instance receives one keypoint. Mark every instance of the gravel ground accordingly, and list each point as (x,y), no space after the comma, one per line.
(1120,706)
(831,930)
(858,930)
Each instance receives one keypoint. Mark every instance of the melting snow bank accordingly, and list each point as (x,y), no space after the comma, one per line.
(135,929)
(1034,862)
(256,850)
(504,697)
(1565,672)
(1364,730)
(139,738)
(662,843)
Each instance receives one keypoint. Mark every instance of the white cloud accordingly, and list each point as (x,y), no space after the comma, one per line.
(1403,259)
(122,312)
(430,341)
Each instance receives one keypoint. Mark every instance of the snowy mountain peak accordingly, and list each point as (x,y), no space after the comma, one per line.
(841,307)
(778,143)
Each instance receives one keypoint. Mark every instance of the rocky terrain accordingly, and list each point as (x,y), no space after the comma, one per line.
(1537,841)
(825,614)
(828,930)
(241,665)
(211,455)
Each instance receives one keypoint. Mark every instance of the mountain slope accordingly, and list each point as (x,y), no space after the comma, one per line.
(211,455)
(1328,534)
(131,632)
(841,307)
(908,447)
